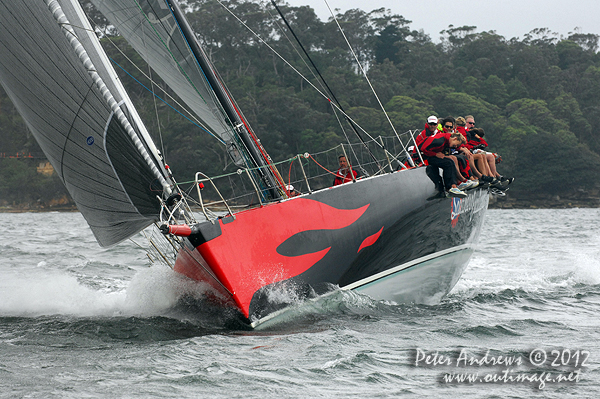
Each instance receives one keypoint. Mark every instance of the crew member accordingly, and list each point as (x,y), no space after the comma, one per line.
(344,173)
(434,150)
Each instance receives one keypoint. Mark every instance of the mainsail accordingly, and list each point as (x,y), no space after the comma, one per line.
(61,82)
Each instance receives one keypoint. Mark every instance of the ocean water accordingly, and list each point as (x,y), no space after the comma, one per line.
(80,321)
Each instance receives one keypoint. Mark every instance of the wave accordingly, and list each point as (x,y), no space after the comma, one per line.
(158,294)
(39,291)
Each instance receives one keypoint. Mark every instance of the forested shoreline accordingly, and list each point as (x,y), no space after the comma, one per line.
(538,98)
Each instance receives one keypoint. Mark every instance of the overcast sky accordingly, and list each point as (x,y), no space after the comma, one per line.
(509,18)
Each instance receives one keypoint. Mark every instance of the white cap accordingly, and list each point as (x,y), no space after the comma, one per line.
(289,187)
(432,119)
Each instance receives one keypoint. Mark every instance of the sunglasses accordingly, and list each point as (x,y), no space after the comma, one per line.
(432,124)
(471,123)
(448,126)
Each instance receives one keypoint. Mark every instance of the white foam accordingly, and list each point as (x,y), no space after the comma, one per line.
(587,270)
(155,290)
(42,292)
(38,292)
(531,274)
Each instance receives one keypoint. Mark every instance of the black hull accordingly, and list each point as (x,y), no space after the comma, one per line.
(383,236)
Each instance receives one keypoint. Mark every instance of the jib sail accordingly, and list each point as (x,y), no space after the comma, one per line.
(61,82)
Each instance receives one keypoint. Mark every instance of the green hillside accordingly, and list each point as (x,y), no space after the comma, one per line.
(538,98)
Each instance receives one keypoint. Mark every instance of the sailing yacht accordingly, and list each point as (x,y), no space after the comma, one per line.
(385,235)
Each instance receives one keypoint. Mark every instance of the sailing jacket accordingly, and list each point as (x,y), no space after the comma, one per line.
(474,142)
(342,177)
(463,131)
(434,144)
(424,134)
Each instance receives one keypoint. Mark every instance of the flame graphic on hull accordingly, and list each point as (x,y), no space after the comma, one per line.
(370,240)
(245,258)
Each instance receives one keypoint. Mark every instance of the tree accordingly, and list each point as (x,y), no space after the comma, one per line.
(566,108)
(391,33)
(484,54)
(545,165)
(454,38)
(20,183)
(590,88)
(449,102)
(407,113)
(529,117)
(494,91)
(587,41)
(516,90)
(471,86)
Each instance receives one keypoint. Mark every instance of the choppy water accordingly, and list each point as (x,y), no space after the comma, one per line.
(80,321)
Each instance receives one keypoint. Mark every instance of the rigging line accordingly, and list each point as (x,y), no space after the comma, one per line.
(311,71)
(364,73)
(246,156)
(196,121)
(175,109)
(322,167)
(350,144)
(227,103)
(323,80)
(152,84)
(260,147)
(188,78)
(162,144)
(251,169)
(294,69)
(295,49)
(314,76)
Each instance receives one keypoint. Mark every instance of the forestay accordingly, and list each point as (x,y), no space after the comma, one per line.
(80,115)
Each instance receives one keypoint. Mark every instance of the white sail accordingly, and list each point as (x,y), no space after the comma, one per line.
(58,77)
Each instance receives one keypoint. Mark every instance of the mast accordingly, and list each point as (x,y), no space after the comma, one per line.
(241,127)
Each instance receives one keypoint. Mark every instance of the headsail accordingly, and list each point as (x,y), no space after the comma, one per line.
(150,28)
(159,32)
(59,79)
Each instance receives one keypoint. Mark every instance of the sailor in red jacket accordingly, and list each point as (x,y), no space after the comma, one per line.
(489,157)
(474,141)
(434,149)
(477,144)
(430,129)
(343,173)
